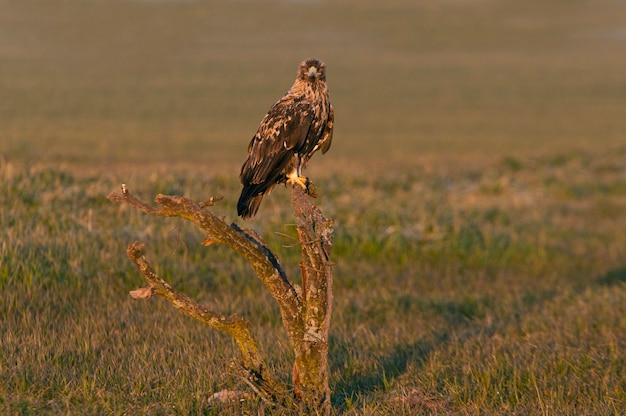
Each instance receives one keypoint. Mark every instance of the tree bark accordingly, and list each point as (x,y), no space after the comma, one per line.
(311,352)
(305,310)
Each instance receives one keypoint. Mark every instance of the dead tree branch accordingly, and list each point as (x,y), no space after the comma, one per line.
(316,236)
(234,325)
(305,310)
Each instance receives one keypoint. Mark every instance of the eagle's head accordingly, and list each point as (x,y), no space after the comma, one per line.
(312,70)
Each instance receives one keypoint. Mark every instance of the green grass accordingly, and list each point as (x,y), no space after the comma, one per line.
(501,291)
(477,182)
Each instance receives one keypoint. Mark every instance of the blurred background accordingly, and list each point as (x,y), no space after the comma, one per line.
(97,83)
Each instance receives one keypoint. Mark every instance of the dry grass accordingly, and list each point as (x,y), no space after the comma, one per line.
(477,182)
(457,291)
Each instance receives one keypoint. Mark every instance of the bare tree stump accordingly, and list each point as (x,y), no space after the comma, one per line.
(305,310)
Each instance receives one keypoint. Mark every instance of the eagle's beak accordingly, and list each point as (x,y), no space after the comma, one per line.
(312,72)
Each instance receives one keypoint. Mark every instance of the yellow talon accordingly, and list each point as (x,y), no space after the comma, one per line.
(303,182)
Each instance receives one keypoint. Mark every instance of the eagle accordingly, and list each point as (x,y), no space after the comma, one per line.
(295,127)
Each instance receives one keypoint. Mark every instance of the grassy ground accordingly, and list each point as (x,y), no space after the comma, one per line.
(477,182)
(459,290)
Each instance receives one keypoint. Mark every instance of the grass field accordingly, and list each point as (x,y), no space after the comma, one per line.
(477,182)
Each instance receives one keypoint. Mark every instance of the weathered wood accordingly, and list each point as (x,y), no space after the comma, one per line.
(311,371)
(305,310)
(234,325)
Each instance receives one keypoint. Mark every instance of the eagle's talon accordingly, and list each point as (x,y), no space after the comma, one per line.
(312,191)
(301,181)
(305,183)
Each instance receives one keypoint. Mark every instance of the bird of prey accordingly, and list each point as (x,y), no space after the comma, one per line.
(295,127)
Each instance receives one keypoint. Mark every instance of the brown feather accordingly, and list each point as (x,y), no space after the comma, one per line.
(295,127)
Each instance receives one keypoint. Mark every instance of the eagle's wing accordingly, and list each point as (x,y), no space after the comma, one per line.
(282,133)
(327,136)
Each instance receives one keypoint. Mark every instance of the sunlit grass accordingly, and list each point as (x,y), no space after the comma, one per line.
(477,183)
(500,291)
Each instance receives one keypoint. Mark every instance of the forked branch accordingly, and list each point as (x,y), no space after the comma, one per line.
(305,310)
(261,259)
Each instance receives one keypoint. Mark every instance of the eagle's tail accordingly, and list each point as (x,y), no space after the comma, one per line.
(249,202)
